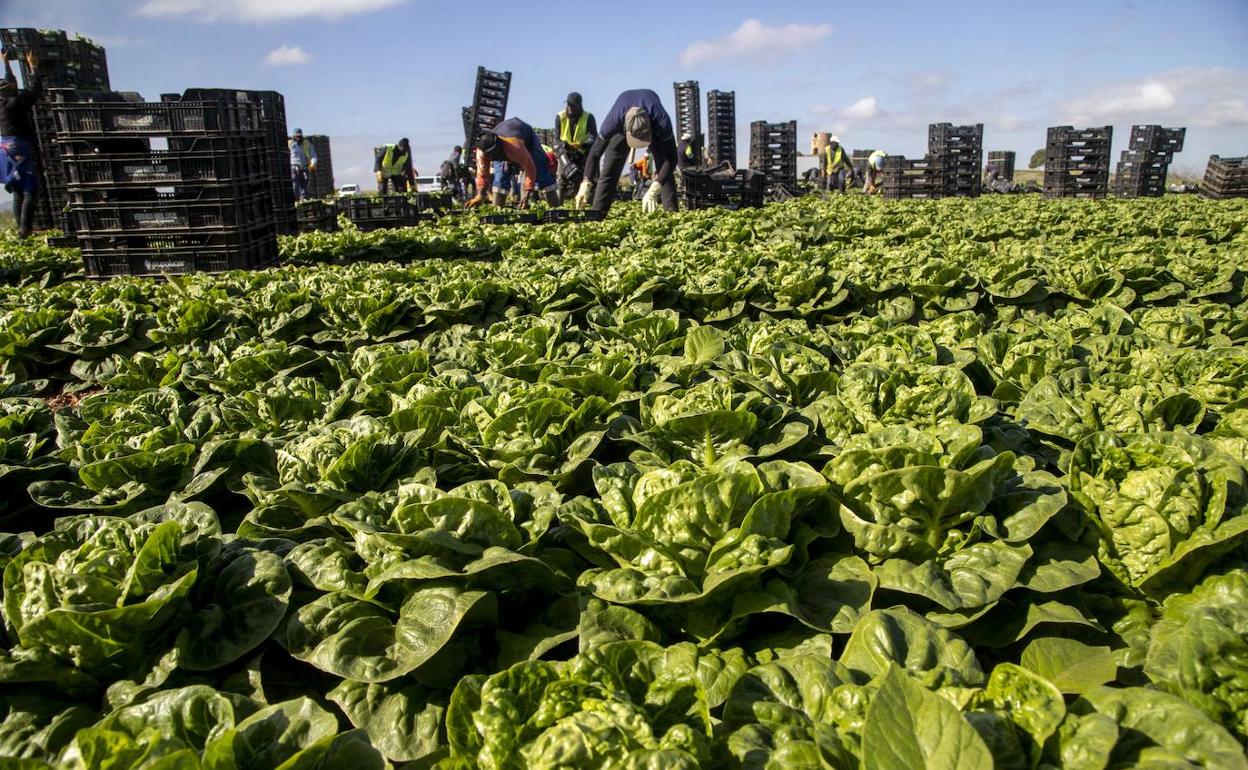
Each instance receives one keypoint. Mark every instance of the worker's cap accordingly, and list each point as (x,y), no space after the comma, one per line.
(298,132)
(404,143)
(488,142)
(877,161)
(834,139)
(574,100)
(637,128)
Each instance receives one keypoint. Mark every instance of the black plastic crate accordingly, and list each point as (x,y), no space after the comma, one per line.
(433,201)
(373,213)
(722,188)
(177,253)
(316,215)
(102,119)
(212,161)
(512,218)
(1154,137)
(168,212)
(557,216)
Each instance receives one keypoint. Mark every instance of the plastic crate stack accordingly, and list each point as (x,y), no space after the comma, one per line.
(1076,162)
(1004,161)
(721,127)
(688,108)
(489,107)
(858,159)
(773,151)
(1225,178)
(1143,166)
(722,188)
(313,215)
(545,136)
(378,212)
(321,181)
(918,178)
(168,187)
(64,63)
(959,153)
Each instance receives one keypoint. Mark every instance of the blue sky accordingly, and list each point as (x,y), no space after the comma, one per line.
(368,71)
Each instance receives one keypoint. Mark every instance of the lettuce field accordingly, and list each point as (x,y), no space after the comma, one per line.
(828,484)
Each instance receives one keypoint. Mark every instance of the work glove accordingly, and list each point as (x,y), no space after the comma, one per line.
(311,167)
(378,175)
(650,201)
(582,194)
(474,202)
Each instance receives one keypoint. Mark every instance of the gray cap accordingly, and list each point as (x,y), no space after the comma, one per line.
(637,128)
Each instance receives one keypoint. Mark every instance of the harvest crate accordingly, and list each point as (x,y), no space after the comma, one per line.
(1004,160)
(321,181)
(512,218)
(556,216)
(722,188)
(171,212)
(316,215)
(95,120)
(64,61)
(433,201)
(773,151)
(378,212)
(489,106)
(688,108)
(1225,178)
(173,254)
(207,160)
(1154,138)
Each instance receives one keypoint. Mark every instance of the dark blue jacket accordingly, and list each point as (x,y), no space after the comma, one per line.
(660,121)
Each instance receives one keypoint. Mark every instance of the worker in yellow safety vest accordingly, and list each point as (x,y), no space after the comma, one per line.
(837,169)
(874,173)
(575,132)
(392,166)
(689,151)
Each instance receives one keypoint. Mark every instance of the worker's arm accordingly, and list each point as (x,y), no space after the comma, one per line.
(594,158)
(377,161)
(311,154)
(483,172)
(664,160)
(515,151)
(591,129)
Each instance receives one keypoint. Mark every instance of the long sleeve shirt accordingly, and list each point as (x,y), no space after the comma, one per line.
(519,143)
(17,110)
(662,137)
(302,154)
(407,171)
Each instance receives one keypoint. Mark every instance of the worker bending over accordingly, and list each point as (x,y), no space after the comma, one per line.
(575,132)
(515,141)
(637,120)
(393,167)
(873,176)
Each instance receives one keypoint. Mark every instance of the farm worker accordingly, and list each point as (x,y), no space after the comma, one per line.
(637,120)
(836,166)
(302,161)
(991,173)
(18,170)
(452,171)
(642,171)
(874,172)
(393,166)
(575,132)
(515,141)
(688,152)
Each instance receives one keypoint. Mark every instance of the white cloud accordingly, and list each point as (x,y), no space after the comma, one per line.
(1210,97)
(755,39)
(261,11)
(863,109)
(287,55)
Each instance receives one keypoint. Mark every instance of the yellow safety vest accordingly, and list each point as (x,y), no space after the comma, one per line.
(390,166)
(574,137)
(689,151)
(832,162)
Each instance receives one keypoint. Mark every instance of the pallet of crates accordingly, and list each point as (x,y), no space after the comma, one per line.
(1155,138)
(722,187)
(200,203)
(490,95)
(905,178)
(958,151)
(1225,178)
(1076,162)
(721,127)
(321,181)
(773,151)
(688,108)
(379,212)
(1004,161)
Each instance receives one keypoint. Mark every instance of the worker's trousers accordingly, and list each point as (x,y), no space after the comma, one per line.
(613,159)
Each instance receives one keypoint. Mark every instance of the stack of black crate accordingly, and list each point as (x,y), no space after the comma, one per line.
(1004,161)
(918,178)
(688,109)
(773,151)
(63,63)
(169,187)
(1143,166)
(958,152)
(1225,178)
(489,107)
(721,128)
(545,136)
(321,181)
(1076,162)
(858,159)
